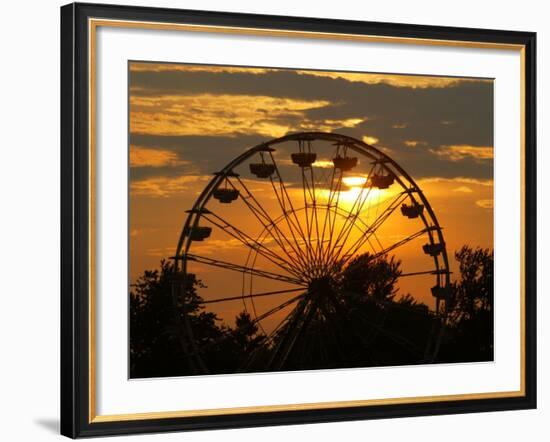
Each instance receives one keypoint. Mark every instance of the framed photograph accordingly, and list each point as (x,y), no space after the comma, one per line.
(274,220)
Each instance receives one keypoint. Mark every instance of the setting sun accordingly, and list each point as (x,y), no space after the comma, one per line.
(355,190)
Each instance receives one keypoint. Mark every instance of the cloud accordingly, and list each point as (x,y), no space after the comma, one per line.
(324,164)
(213,246)
(460,179)
(370,140)
(460,152)
(408,81)
(463,189)
(485,204)
(233,104)
(163,186)
(396,80)
(203,154)
(230,115)
(199,118)
(178,67)
(413,143)
(160,252)
(153,157)
(399,126)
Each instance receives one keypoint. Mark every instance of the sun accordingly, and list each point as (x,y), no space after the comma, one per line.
(354,181)
(355,191)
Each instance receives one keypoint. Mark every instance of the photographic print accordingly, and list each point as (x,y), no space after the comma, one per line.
(285,219)
(294,214)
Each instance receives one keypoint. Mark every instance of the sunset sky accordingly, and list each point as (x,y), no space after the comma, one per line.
(188,121)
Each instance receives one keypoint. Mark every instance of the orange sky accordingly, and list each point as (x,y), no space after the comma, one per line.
(189,121)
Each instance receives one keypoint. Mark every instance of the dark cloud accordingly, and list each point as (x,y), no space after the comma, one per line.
(205,154)
(434,117)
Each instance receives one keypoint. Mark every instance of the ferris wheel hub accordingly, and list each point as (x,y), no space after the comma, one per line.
(322,285)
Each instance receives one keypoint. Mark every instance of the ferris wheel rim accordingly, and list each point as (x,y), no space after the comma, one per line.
(402,177)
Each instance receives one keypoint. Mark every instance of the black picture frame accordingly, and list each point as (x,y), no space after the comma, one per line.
(75,219)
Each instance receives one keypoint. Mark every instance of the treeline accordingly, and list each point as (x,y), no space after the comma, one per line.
(359,320)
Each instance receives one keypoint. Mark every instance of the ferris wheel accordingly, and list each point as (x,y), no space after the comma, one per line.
(276,231)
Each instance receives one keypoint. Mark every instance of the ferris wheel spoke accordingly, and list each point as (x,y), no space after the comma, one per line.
(359,334)
(301,317)
(334,193)
(392,247)
(331,260)
(321,230)
(424,272)
(230,333)
(251,243)
(300,334)
(269,225)
(377,241)
(315,204)
(268,219)
(286,332)
(265,341)
(270,312)
(285,329)
(390,208)
(374,249)
(271,336)
(252,296)
(330,198)
(359,242)
(332,219)
(289,222)
(400,243)
(339,256)
(305,186)
(361,225)
(276,309)
(243,269)
(402,341)
(310,215)
(287,196)
(346,229)
(353,213)
(318,214)
(285,203)
(285,200)
(316,241)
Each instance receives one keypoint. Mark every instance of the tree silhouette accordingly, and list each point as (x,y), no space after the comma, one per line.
(155,317)
(371,278)
(470,334)
(156,323)
(355,318)
(355,321)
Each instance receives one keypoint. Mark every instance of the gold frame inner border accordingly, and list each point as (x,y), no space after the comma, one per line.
(93,24)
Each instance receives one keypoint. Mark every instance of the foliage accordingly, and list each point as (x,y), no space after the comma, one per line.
(372,277)
(158,329)
(470,334)
(354,319)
